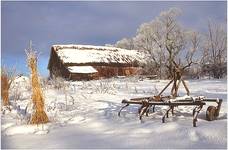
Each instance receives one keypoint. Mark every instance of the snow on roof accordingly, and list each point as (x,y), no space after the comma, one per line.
(82,69)
(101,54)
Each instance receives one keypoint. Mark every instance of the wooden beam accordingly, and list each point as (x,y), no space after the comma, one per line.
(165,88)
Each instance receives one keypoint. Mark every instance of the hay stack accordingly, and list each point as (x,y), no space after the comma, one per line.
(37,96)
(5,89)
(7,77)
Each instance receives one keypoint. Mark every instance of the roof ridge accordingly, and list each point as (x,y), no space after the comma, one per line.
(87,47)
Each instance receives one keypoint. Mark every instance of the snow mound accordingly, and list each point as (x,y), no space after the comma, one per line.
(26,129)
(20,79)
(7,125)
(41,132)
(76,120)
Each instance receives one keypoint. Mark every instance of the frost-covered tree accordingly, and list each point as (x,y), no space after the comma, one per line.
(149,41)
(165,40)
(126,43)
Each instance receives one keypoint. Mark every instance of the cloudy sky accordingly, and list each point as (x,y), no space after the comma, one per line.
(96,23)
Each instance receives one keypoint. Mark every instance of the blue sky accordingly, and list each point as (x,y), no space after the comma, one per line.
(95,22)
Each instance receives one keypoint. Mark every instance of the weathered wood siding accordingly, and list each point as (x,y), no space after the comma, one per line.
(56,66)
(107,71)
(80,76)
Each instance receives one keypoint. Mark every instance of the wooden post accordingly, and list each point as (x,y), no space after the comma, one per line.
(185,86)
(178,85)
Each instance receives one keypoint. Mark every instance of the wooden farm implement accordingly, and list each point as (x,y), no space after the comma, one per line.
(174,100)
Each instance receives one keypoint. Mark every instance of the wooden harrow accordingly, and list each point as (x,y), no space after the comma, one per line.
(174,100)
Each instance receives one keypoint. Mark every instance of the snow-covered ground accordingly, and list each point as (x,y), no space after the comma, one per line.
(88,119)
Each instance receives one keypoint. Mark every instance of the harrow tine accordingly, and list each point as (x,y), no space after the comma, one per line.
(144,108)
(197,110)
(122,109)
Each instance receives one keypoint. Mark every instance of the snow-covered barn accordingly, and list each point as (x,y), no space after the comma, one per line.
(86,62)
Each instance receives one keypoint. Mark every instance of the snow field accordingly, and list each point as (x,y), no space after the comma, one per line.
(88,119)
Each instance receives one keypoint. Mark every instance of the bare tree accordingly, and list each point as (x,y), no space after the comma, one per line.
(192,46)
(215,47)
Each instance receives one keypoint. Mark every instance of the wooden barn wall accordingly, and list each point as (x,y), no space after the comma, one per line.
(56,67)
(78,76)
(107,71)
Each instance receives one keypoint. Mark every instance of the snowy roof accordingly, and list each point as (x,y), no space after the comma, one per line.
(82,69)
(96,54)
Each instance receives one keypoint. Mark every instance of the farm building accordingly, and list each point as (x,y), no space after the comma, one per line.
(86,62)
